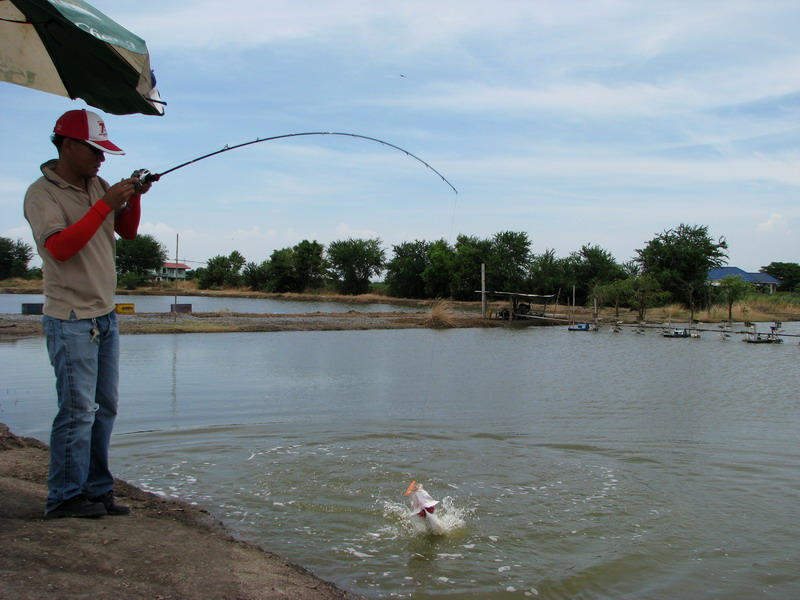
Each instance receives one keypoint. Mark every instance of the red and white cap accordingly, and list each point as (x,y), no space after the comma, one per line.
(88,127)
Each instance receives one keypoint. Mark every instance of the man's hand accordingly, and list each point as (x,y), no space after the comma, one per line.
(143,188)
(119,193)
(144,180)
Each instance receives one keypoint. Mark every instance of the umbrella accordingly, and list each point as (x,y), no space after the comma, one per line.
(69,48)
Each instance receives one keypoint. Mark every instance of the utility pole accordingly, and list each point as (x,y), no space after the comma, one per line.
(483,290)
(175,305)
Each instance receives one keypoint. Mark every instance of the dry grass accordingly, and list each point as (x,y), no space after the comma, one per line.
(670,312)
(749,310)
(440,315)
(22,286)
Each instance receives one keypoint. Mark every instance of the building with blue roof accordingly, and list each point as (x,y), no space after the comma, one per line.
(762,281)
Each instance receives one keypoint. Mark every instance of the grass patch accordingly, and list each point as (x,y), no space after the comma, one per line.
(440,315)
(781,301)
(21,284)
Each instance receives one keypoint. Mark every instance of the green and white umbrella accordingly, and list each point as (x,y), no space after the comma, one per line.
(69,48)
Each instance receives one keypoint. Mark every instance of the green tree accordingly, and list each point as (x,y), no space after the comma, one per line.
(616,294)
(354,262)
(732,288)
(508,261)
(405,271)
(788,273)
(256,276)
(679,259)
(14,258)
(221,271)
(646,293)
(308,259)
(470,253)
(438,274)
(141,256)
(547,274)
(593,266)
(295,269)
(281,273)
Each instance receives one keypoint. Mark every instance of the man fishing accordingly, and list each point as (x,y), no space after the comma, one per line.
(74,215)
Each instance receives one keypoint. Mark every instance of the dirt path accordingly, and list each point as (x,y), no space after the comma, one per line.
(164,549)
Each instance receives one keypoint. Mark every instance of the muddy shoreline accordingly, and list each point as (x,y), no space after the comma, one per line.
(163,549)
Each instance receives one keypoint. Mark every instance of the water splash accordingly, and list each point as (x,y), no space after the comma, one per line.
(401,524)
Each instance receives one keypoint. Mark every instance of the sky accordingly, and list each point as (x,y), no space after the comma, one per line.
(602,122)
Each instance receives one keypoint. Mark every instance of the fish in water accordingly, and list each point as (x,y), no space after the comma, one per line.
(424,507)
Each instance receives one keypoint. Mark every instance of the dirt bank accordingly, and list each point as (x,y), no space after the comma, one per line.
(163,549)
(16,326)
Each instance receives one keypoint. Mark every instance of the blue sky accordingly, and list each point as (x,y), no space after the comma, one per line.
(596,122)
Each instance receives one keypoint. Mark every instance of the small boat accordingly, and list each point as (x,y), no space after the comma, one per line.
(675,333)
(583,327)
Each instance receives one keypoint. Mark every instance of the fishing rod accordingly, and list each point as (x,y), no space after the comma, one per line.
(144,176)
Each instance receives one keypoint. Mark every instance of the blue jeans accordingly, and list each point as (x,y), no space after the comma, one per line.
(87,383)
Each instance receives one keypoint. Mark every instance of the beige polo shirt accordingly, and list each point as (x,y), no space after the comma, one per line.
(85,283)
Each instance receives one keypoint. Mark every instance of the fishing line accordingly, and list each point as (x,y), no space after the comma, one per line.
(435,344)
(145,176)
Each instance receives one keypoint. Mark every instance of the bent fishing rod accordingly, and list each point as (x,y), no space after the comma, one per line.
(144,176)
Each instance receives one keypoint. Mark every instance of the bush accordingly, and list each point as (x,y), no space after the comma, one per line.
(379,288)
(130,281)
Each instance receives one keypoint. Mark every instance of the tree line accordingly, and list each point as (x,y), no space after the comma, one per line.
(671,267)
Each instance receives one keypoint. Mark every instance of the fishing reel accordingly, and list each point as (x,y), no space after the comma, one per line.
(143,176)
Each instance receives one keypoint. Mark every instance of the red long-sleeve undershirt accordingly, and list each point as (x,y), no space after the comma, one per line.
(64,244)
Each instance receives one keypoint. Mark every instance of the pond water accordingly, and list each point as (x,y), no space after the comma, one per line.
(569,464)
(12,304)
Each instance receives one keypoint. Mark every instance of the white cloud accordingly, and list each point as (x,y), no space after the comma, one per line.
(589,169)
(775,225)
(22,233)
(161,231)
(583,97)
(346,231)
(246,23)
(254,243)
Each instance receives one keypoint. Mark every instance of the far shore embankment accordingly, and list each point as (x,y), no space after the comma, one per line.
(434,314)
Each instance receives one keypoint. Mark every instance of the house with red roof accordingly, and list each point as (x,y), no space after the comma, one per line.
(172,271)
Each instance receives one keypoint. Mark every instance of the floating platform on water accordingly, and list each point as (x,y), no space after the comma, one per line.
(583,327)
